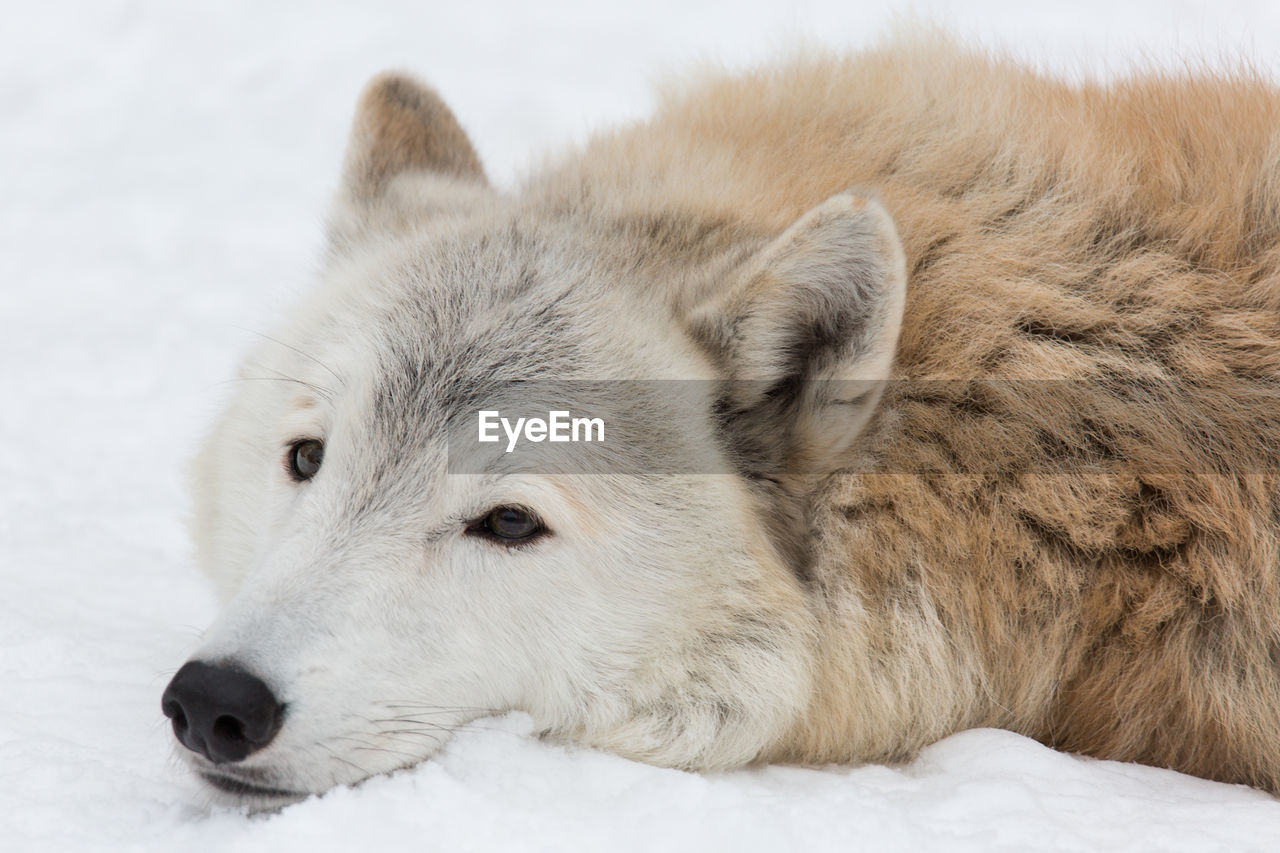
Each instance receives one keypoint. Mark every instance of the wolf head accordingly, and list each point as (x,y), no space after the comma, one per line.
(377,598)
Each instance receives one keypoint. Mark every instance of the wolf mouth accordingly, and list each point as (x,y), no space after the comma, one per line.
(239,787)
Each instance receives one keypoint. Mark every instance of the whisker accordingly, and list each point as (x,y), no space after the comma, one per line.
(470,725)
(319,389)
(337,757)
(323,392)
(306,355)
(414,732)
(367,743)
(399,753)
(410,717)
(439,709)
(477,727)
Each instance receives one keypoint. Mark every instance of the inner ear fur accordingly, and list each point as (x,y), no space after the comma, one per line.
(403,126)
(806,338)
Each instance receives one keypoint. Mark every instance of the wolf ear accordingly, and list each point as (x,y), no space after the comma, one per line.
(806,338)
(408,160)
(403,126)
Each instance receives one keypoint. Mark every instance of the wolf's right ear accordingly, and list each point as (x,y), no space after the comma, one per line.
(408,159)
(403,126)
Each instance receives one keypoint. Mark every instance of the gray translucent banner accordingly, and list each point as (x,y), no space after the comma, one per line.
(991,427)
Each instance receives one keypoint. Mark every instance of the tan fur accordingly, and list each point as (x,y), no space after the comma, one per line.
(1051,232)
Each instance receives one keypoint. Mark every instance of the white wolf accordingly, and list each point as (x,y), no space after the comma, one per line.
(770,567)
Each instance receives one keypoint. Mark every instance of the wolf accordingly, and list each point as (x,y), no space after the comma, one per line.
(1047,505)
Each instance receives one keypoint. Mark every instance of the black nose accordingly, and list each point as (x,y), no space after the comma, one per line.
(221,712)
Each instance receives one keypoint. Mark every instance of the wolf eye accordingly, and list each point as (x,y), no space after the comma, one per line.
(509,525)
(304,458)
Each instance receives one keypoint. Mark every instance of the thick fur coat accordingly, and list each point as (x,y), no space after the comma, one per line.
(1055,511)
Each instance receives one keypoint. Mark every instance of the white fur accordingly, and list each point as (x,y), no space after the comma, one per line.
(659,619)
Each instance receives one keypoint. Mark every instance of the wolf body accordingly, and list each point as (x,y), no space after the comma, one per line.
(1053,510)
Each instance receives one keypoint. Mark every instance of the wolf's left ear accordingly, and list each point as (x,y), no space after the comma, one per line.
(807,337)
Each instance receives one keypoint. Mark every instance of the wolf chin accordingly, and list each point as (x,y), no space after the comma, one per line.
(861,578)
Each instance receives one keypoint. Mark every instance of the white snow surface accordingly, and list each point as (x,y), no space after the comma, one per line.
(164,168)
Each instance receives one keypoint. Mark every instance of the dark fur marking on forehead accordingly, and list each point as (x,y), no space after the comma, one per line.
(439,365)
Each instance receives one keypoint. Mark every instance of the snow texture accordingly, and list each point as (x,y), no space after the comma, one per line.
(163,170)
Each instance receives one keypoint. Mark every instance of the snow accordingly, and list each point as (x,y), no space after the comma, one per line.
(163,170)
